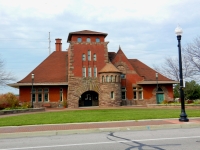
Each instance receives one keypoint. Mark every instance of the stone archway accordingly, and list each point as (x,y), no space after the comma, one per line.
(89,98)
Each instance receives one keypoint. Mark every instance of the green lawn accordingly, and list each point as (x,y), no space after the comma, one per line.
(73,116)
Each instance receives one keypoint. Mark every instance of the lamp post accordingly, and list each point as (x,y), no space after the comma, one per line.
(32,76)
(157,86)
(183,115)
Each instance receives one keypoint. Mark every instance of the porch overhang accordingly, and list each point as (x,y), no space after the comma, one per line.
(17,85)
(159,82)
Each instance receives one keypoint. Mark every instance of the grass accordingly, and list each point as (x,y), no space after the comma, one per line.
(76,116)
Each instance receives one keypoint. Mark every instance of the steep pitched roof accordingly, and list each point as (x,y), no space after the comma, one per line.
(145,71)
(52,69)
(86,32)
(111,55)
(109,67)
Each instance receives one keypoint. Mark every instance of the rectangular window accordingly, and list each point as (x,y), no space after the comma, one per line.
(89,55)
(137,93)
(95,71)
(79,39)
(83,57)
(123,76)
(33,95)
(112,95)
(61,95)
(46,95)
(84,72)
(95,57)
(123,93)
(97,40)
(89,72)
(39,95)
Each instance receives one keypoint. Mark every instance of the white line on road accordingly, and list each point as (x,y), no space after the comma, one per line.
(95,143)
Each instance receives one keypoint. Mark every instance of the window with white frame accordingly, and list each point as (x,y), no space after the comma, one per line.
(137,93)
(33,95)
(95,71)
(61,94)
(95,57)
(83,57)
(123,93)
(83,72)
(89,55)
(46,95)
(39,95)
(89,72)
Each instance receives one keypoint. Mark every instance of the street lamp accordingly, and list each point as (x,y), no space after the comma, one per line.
(157,87)
(183,115)
(32,76)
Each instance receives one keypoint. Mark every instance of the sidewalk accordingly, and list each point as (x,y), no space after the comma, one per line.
(89,127)
(74,128)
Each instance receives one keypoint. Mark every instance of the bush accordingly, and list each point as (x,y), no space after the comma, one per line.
(8,100)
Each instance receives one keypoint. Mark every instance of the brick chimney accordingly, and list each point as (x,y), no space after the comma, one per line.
(58,45)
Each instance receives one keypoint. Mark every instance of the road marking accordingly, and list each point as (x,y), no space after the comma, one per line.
(96,143)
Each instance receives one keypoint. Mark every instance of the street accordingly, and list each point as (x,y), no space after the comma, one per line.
(168,139)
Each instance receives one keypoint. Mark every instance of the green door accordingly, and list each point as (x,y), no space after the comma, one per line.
(159,98)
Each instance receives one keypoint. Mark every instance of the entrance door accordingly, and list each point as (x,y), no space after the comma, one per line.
(89,98)
(159,98)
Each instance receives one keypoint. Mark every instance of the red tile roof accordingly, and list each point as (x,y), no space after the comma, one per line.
(86,32)
(52,69)
(145,71)
(109,67)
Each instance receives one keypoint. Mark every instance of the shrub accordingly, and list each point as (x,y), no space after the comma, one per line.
(8,100)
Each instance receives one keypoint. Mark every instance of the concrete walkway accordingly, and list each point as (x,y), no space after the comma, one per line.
(74,128)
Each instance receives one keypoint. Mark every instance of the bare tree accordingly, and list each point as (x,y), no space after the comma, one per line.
(192,53)
(5,77)
(170,68)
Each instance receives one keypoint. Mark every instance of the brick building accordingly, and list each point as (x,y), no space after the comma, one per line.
(86,74)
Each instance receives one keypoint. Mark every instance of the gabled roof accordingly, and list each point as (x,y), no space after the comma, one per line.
(109,67)
(145,71)
(86,32)
(52,69)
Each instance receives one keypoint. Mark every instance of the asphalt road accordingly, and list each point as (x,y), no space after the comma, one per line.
(168,139)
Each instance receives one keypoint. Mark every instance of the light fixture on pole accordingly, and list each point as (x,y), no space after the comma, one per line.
(32,76)
(183,115)
(157,87)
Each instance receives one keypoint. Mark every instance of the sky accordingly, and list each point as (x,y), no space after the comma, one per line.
(144,29)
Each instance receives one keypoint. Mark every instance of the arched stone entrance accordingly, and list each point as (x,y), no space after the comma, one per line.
(89,98)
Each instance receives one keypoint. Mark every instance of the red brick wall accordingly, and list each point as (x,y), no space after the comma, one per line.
(95,48)
(54,93)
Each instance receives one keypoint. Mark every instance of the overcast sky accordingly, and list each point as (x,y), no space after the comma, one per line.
(143,28)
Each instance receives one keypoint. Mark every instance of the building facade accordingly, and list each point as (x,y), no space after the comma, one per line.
(87,74)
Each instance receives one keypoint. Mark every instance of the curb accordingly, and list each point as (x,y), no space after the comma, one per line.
(98,130)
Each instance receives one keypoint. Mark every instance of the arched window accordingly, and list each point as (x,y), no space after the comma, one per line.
(97,40)
(102,79)
(111,78)
(107,79)
(88,39)
(79,39)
